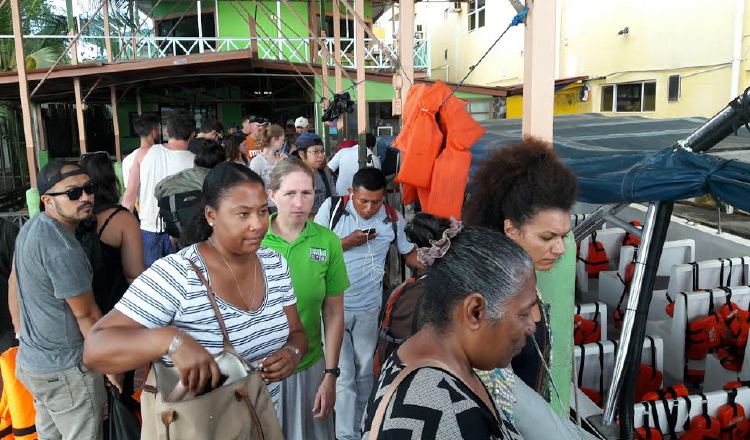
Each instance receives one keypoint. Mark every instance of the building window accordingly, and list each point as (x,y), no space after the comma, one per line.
(674,88)
(476,14)
(480,109)
(629,97)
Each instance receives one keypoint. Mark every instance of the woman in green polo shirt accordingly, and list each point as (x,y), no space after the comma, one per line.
(316,264)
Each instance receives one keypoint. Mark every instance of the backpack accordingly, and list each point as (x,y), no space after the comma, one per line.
(178,198)
(338,209)
(398,320)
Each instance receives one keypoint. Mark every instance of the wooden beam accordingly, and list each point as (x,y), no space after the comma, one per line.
(337,44)
(107,39)
(314,26)
(359,56)
(539,70)
(406,45)
(24,91)
(115,122)
(79,115)
(326,97)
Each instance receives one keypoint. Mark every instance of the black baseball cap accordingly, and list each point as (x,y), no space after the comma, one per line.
(51,174)
(257,119)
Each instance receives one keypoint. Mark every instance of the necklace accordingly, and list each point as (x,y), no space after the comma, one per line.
(250,307)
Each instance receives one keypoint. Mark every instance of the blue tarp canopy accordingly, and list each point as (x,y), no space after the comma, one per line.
(632,159)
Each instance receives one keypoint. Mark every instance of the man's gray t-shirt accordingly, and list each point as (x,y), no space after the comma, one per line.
(50,266)
(322,192)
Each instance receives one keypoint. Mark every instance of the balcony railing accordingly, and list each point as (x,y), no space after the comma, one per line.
(296,50)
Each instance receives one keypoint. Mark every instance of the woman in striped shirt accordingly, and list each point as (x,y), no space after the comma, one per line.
(166,312)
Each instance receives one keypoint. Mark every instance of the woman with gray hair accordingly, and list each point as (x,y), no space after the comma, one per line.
(480,290)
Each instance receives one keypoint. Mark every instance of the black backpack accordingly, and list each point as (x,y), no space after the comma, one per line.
(177,210)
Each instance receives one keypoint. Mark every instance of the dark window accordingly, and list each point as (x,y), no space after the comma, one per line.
(476,14)
(649,97)
(607,98)
(629,97)
(187,27)
(674,88)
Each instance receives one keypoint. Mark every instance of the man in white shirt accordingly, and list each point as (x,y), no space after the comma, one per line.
(364,256)
(160,162)
(346,161)
(147,127)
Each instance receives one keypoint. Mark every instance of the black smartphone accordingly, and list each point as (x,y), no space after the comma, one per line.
(368,231)
(207,388)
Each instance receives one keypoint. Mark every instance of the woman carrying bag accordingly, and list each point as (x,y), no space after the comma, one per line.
(224,301)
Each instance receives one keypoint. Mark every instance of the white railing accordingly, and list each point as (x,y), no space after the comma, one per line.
(296,50)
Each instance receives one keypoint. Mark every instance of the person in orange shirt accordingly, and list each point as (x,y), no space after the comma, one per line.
(251,127)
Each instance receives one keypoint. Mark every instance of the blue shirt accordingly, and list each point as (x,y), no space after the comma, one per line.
(365,263)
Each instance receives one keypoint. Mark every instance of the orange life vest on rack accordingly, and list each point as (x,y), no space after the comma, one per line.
(703,426)
(731,416)
(649,377)
(672,392)
(586,331)
(597,260)
(19,402)
(646,432)
(596,396)
(630,239)
(704,332)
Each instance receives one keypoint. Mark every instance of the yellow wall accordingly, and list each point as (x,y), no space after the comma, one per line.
(567,101)
(694,39)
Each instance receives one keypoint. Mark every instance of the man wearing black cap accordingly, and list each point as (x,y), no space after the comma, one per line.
(57,308)
(251,126)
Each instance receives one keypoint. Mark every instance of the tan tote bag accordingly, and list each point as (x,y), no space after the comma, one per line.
(239,409)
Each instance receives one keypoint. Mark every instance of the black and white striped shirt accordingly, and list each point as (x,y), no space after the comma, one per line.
(170,293)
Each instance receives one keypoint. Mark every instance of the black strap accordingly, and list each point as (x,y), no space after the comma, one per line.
(338,209)
(671,414)
(653,356)
(326,183)
(578,309)
(689,404)
(729,276)
(687,334)
(118,208)
(596,312)
(655,416)
(711,306)
(581,366)
(646,424)
(696,275)
(731,400)
(742,271)
(601,369)
(721,273)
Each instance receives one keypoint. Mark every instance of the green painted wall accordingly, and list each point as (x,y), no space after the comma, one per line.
(171,8)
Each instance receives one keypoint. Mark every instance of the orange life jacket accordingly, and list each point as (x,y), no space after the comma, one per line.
(649,377)
(596,396)
(20,403)
(586,331)
(703,426)
(597,260)
(630,239)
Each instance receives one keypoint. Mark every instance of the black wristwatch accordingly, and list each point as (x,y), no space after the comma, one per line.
(335,371)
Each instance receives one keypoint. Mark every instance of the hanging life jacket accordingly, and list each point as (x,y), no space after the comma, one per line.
(646,432)
(649,377)
(731,416)
(618,315)
(596,396)
(586,331)
(631,239)
(19,402)
(704,333)
(667,393)
(596,261)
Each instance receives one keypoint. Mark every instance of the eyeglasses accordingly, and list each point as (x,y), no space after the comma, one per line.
(76,192)
(316,152)
(94,153)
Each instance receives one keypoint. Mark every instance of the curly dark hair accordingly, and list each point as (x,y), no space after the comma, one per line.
(518,181)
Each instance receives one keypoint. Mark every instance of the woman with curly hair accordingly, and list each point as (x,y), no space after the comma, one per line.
(525,192)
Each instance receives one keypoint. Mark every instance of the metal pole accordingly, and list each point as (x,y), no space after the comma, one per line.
(624,225)
(23,86)
(632,306)
(592,222)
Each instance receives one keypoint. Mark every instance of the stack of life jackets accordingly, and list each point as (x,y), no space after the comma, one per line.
(17,412)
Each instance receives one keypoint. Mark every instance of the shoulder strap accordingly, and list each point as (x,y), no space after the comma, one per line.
(377,419)
(392,217)
(212,299)
(338,208)
(118,208)
(327,184)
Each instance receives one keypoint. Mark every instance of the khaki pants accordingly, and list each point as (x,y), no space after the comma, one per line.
(69,404)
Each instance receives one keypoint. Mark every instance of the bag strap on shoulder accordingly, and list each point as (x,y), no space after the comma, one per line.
(338,209)
(377,419)
(214,305)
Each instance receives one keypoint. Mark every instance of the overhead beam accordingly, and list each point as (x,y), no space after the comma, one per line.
(112,90)
(406,45)
(24,91)
(359,56)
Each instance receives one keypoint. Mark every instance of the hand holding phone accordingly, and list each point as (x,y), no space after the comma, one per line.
(368,231)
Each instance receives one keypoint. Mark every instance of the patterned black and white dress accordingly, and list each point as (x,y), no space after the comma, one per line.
(433,404)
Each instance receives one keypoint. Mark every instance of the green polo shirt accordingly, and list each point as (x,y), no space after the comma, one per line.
(316,264)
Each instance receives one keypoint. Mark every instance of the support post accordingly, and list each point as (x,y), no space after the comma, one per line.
(313,25)
(539,70)
(406,45)
(107,39)
(138,103)
(253,33)
(79,115)
(115,122)
(340,122)
(359,56)
(200,26)
(326,96)
(23,86)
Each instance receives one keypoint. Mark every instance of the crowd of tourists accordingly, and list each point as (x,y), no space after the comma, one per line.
(253,248)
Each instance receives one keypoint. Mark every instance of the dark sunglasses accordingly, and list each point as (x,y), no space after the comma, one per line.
(76,192)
